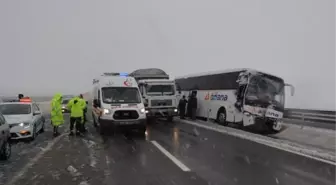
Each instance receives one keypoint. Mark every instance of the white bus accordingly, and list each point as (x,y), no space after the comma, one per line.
(261,103)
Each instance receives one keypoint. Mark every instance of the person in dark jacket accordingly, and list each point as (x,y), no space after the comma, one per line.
(182,105)
(189,107)
(20,96)
(193,103)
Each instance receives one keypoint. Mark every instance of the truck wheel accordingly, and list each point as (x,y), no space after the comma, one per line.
(151,120)
(170,118)
(221,117)
(142,130)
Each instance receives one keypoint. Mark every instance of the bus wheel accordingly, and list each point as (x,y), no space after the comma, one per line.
(221,117)
(273,128)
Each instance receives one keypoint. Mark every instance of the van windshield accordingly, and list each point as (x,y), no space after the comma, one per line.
(120,95)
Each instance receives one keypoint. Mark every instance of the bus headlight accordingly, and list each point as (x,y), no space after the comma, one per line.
(142,110)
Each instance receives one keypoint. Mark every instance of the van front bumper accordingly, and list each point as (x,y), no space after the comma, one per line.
(129,124)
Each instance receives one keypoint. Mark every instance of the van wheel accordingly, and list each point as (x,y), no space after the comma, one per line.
(94,122)
(170,118)
(6,151)
(221,117)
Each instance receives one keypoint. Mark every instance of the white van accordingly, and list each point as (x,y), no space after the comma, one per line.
(117,103)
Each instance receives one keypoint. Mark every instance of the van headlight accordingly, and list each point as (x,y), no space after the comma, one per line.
(142,111)
(106,111)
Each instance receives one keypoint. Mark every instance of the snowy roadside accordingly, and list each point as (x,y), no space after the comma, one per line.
(293,147)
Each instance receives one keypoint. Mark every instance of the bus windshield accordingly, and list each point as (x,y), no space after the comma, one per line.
(160,90)
(264,90)
(120,95)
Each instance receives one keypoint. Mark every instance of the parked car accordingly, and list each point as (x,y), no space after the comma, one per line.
(5,146)
(64,105)
(24,118)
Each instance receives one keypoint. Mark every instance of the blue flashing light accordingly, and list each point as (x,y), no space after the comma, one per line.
(123,74)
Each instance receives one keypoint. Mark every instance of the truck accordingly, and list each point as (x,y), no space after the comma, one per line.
(117,103)
(158,93)
(260,104)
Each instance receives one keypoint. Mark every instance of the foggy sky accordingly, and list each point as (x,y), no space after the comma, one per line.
(49,46)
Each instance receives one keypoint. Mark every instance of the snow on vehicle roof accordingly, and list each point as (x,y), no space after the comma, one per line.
(155,80)
(148,71)
(116,81)
(222,71)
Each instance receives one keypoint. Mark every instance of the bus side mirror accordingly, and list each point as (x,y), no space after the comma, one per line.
(292,89)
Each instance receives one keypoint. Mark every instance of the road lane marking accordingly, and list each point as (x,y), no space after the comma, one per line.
(21,173)
(248,136)
(171,157)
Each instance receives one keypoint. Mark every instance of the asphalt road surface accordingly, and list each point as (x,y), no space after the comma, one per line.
(169,154)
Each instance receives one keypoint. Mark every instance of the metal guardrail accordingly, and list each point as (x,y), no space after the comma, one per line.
(317,116)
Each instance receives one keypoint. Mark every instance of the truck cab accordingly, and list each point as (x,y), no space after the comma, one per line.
(158,93)
(159,97)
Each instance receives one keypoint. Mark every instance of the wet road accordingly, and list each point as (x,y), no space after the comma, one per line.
(169,154)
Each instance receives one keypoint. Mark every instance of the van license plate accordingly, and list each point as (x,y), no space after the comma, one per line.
(125,123)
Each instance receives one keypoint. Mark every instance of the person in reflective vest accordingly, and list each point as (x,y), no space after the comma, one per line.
(56,112)
(76,106)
